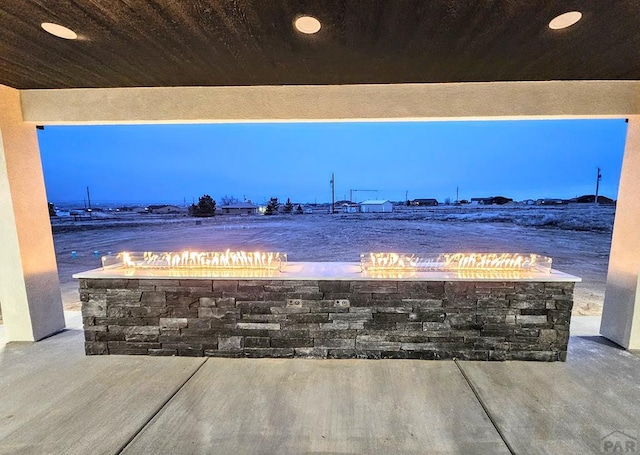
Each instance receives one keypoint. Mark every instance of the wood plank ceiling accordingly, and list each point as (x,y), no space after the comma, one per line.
(150,43)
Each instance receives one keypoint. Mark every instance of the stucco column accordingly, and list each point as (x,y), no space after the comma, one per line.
(621,313)
(29,287)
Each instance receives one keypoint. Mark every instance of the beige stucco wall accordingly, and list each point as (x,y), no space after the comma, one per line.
(403,102)
(29,287)
(621,314)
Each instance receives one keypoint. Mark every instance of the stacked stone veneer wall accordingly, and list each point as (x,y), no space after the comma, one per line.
(334,319)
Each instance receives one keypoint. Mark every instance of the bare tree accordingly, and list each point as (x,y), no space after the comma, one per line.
(228,200)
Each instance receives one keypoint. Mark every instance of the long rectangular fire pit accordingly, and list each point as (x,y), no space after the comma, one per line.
(328,310)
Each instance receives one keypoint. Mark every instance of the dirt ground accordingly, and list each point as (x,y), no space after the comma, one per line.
(341,237)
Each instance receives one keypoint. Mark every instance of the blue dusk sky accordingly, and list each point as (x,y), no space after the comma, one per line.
(173,163)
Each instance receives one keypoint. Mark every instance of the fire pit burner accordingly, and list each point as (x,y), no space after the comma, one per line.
(190,260)
(501,262)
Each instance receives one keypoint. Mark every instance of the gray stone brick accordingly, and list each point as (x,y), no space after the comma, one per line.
(361,310)
(409,326)
(218,313)
(548,336)
(311,353)
(154,298)
(185,300)
(163,352)
(391,317)
(131,348)
(377,345)
(117,311)
(297,294)
(291,342)
(531,319)
(94,308)
(233,343)
(95,348)
(393,309)
(123,296)
(334,343)
(289,309)
(269,352)
(374,287)
(225,302)
(419,346)
(225,285)
(258,325)
(142,333)
(304,318)
(243,295)
(253,317)
(150,311)
(435,326)
(540,356)
(342,325)
(257,342)
(173,323)
(334,286)
(351,317)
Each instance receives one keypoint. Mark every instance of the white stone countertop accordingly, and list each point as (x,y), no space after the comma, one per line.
(347,271)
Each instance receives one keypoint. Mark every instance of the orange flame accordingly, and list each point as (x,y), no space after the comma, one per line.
(203,260)
(455,262)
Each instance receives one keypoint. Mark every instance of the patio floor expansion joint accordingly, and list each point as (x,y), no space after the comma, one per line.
(160,408)
(484,407)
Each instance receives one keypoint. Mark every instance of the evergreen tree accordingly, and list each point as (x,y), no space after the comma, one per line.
(288,207)
(299,210)
(205,207)
(272,206)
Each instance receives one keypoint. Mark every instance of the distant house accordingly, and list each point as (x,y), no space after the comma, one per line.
(166,209)
(549,201)
(350,207)
(376,206)
(238,208)
(495,200)
(591,198)
(424,202)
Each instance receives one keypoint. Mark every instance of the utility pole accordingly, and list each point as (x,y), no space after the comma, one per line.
(333,190)
(406,196)
(89,202)
(457,195)
(598,178)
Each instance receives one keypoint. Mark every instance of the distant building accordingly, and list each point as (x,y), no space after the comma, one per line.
(495,200)
(424,202)
(591,198)
(549,201)
(166,209)
(376,206)
(350,208)
(238,208)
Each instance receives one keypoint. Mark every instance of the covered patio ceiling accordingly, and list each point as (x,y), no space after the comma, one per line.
(166,43)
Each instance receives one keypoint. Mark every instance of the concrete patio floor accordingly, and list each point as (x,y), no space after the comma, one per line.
(56,400)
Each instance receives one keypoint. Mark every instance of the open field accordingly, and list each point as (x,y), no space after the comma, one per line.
(577,238)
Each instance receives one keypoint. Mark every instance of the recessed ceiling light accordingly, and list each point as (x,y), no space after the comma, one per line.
(565,20)
(58,30)
(307,24)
